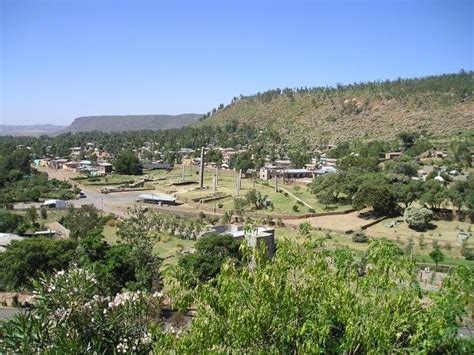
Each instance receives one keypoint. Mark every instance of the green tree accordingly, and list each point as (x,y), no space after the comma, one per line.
(138,230)
(26,259)
(83,220)
(328,188)
(434,195)
(418,218)
(410,192)
(205,263)
(327,301)
(10,222)
(128,164)
(380,197)
(32,214)
(72,314)
(437,255)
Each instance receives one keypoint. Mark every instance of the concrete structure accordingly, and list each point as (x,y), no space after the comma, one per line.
(104,168)
(157,199)
(57,163)
(58,204)
(201,170)
(269,172)
(254,237)
(70,165)
(392,155)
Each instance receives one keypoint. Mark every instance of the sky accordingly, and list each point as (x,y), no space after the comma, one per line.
(61,59)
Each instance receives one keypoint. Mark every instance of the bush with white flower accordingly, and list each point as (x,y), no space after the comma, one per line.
(72,315)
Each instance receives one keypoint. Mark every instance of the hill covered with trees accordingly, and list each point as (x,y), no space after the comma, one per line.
(131,123)
(439,105)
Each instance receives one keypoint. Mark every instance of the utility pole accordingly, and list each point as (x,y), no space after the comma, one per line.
(276,183)
(201,175)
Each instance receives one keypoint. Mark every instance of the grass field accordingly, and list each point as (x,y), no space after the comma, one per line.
(166,246)
(283,203)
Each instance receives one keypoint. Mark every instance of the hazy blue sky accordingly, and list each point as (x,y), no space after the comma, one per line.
(67,58)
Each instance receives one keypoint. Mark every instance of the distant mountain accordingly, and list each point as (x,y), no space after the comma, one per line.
(131,122)
(440,105)
(30,130)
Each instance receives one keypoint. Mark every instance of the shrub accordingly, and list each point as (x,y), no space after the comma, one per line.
(360,237)
(280,222)
(220,205)
(311,210)
(296,208)
(72,312)
(43,213)
(418,218)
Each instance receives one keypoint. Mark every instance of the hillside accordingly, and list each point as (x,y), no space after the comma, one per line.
(29,130)
(131,123)
(439,105)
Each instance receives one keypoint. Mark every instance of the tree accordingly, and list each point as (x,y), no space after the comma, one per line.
(298,158)
(138,231)
(128,164)
(435,194)
(43,213)
(205,263)
(74,314)
(26,259)
(410,192)
(403,166)
(81,221)
(242,161)
(254,198)
(408,139)
(321,300)
(10,222)
(418,218)
(328,188)
(32,214)
(380,197)
(437,255)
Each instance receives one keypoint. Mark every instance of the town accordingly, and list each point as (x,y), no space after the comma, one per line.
(214,177)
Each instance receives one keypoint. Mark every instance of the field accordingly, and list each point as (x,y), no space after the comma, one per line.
(166,246)
(283,203)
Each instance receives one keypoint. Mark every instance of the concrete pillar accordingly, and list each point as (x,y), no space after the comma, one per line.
(201,170)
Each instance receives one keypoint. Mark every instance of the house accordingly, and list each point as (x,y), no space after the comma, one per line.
(157,199)
(75,152)
(254,237)
(70,165)
(269,172)
(57,163)
(392,155)
(104,155)
(44,163)
(104,168)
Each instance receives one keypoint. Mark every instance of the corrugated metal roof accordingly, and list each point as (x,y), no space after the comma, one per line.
(166,198)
